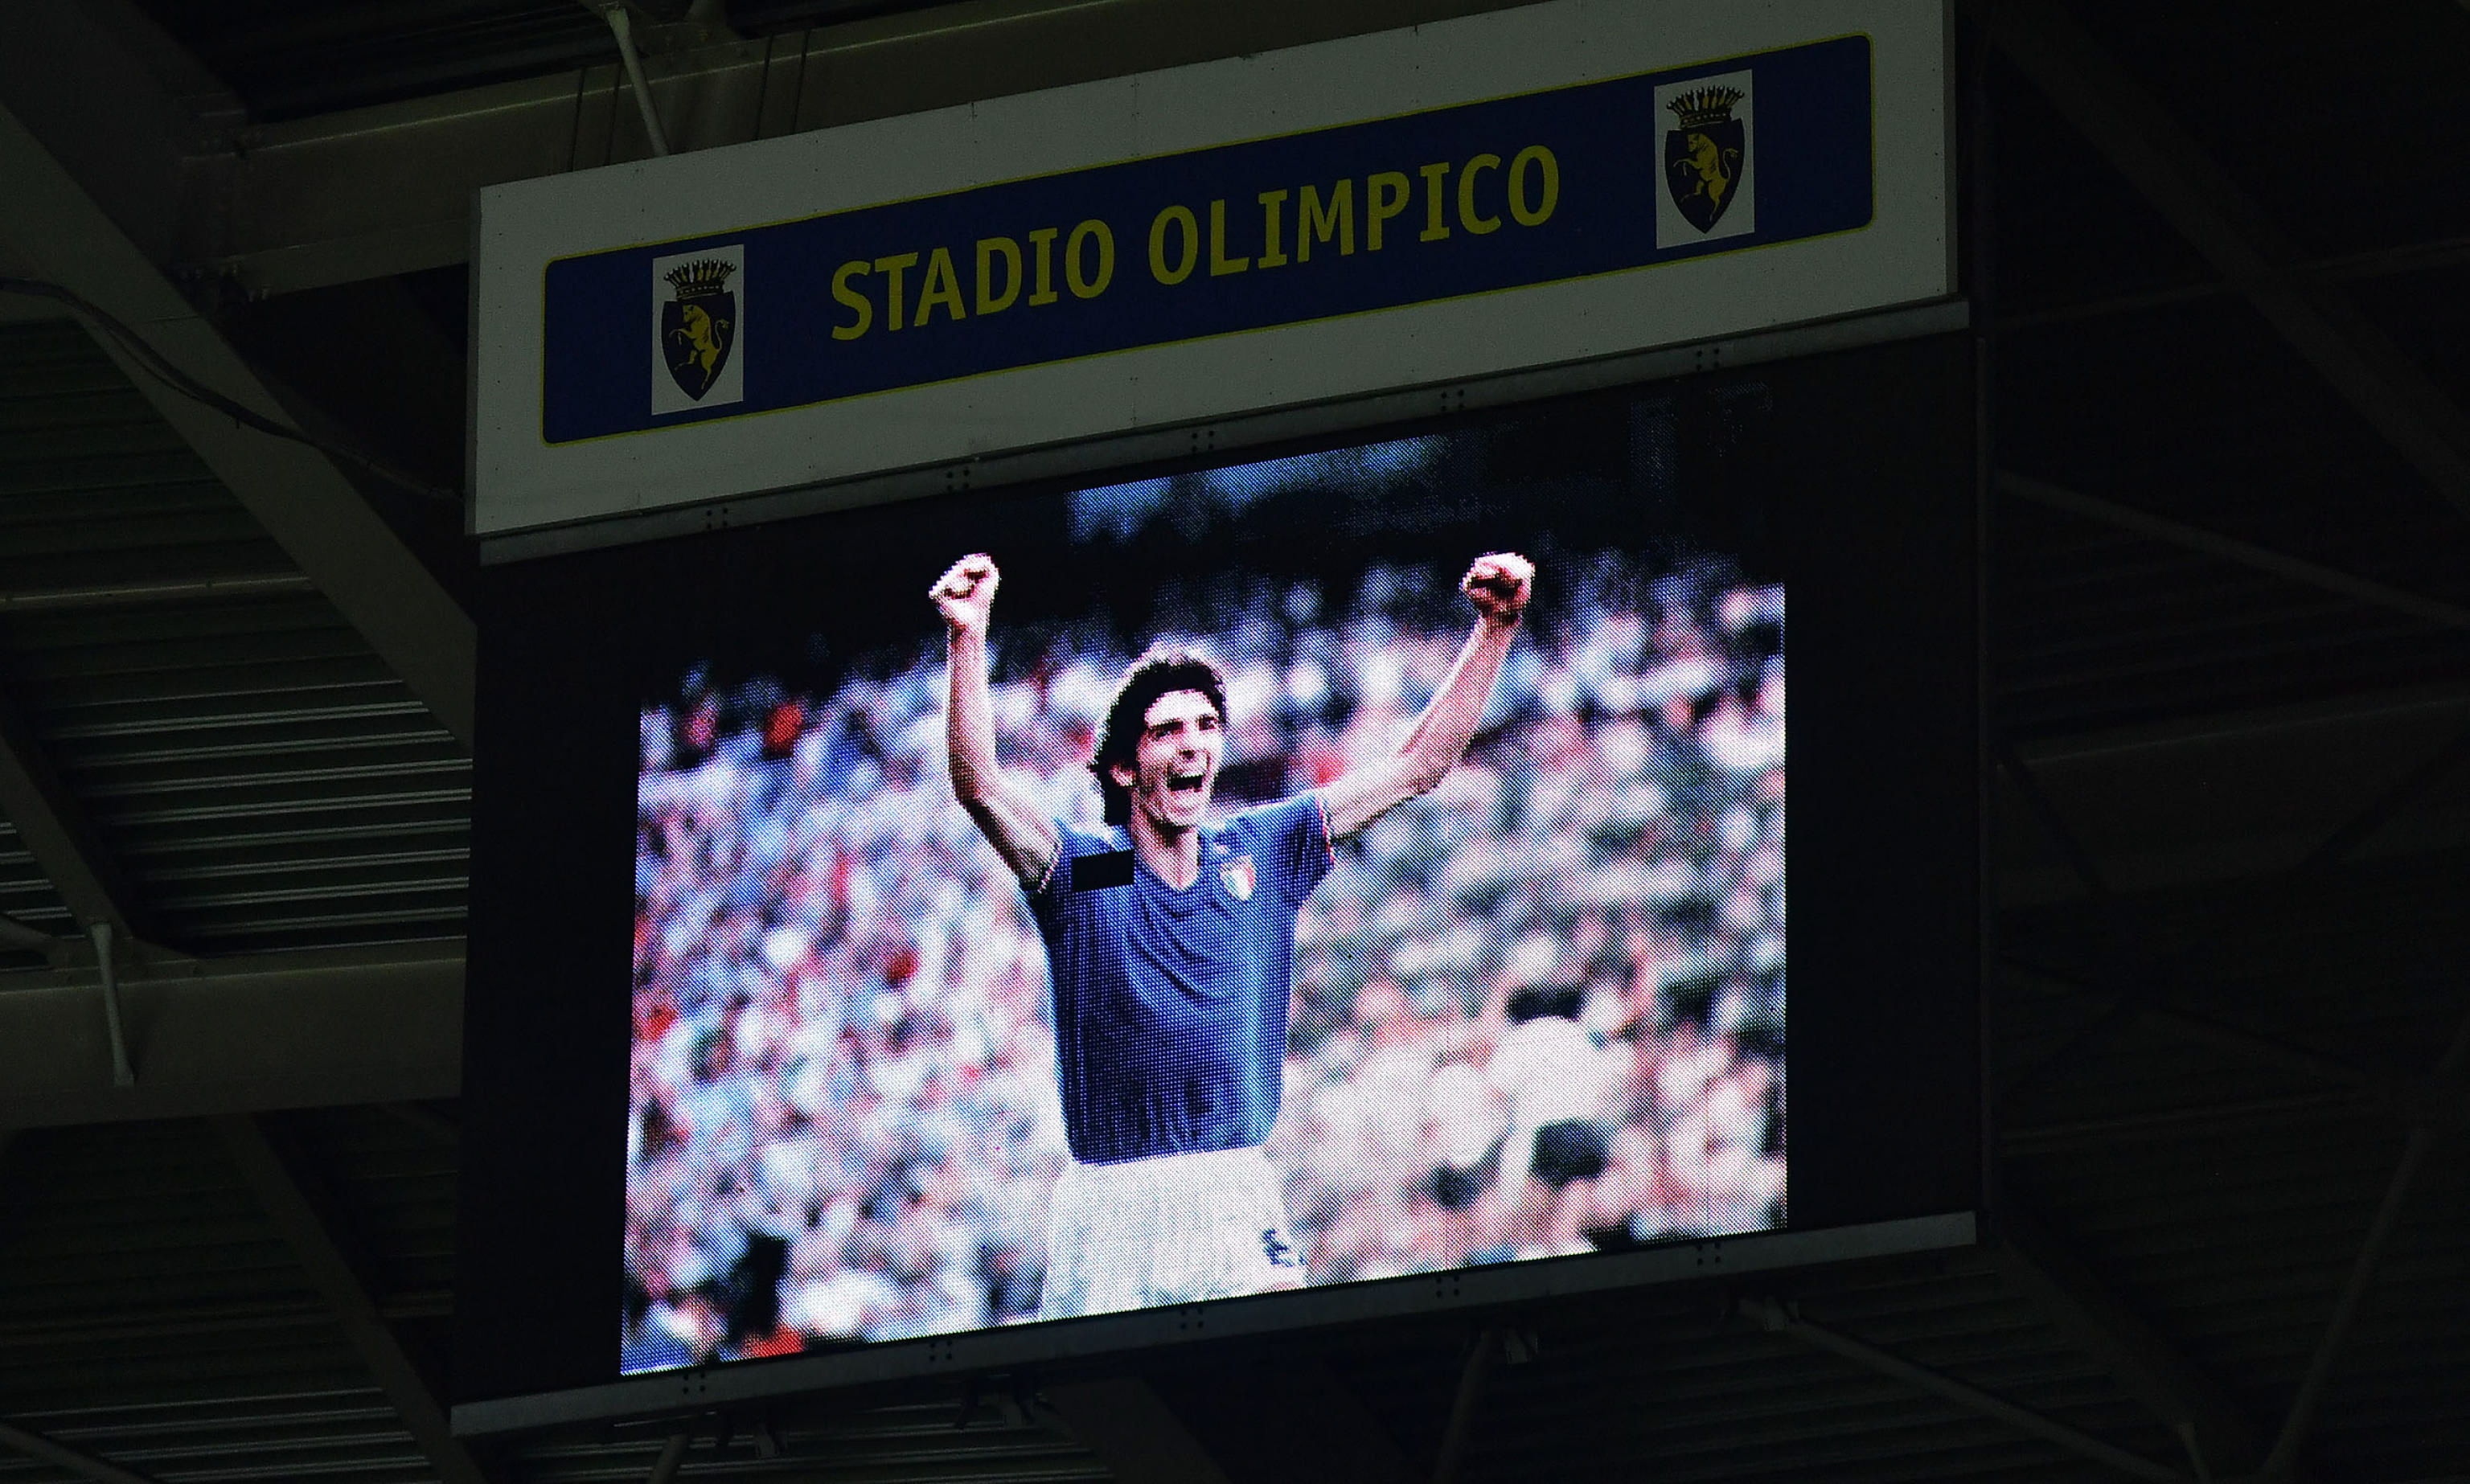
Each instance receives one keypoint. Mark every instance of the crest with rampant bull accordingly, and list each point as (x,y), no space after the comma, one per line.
(1704,156)
(699,325)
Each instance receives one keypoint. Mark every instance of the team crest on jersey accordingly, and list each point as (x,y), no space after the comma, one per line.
(1239,877)
(1705,157)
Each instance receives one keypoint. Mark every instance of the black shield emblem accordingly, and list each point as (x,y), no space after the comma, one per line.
(1702,168)
(696,334)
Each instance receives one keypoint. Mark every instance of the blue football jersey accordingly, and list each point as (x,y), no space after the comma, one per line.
(1171,1006)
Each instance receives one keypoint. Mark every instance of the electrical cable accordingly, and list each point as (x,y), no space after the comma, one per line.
(155,365)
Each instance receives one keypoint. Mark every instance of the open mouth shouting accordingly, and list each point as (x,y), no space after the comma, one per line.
(1184,791)
(1176,765)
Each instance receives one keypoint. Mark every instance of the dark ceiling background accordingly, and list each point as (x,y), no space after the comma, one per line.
(293,58)
(2220,257)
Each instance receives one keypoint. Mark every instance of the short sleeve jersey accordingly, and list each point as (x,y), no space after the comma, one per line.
(1171,1006)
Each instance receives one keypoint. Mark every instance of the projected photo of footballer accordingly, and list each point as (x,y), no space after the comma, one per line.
(1280,874)
(1170,939)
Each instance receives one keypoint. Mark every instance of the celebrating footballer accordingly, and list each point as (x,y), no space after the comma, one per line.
(1170,938)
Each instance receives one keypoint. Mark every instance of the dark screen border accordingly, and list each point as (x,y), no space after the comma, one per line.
(1866,510)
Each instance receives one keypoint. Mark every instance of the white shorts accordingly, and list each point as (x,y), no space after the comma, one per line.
(1173,1230)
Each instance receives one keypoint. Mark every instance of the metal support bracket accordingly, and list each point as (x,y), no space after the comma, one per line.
(622,25)
(123,1074)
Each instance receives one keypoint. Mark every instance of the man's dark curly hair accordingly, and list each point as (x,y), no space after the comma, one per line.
(1161,671)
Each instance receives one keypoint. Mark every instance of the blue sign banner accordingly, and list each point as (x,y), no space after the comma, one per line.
(1508,193)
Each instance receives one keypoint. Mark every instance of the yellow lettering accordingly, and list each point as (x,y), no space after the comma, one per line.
(1313,224)
(1181,217)
(1467,217)
(1385,196)
(942,286)
(1435,228)
(1042,248)
(991,249)
(892,269)
(1088,286)
(1550,168)
(1274,253)
(842,291)
(1220,264)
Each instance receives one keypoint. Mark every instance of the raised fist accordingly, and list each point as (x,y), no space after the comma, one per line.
(1499,584)
(965,593)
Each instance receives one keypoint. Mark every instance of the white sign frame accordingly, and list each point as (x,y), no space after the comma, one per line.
(522,483)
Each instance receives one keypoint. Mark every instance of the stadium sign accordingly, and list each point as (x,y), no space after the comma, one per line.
(1499,193)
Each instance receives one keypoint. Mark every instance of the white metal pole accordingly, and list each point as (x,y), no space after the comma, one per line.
(622,27)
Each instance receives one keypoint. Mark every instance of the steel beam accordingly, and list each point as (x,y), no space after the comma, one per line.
(121,594)
(2046,814)
(369,191)
(71,236)
(2222,1440)
(2092,1039)
(22,308)
(292,1029)
(2177,533)
(60,1455)
(1780,1320)
(14,933)
(2405,705)
(2171,170)
(308,1229)
(2363,826)
(57,831)
(2376,262)
(127,109)
(2302,1416)
(2281,774)
(1324,1430)
(425,1119)
(1125,1421)
(2442,1099)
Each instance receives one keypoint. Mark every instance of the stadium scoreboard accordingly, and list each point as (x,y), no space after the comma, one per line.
(793,1062)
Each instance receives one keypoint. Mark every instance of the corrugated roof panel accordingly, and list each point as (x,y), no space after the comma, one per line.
(262,778)
(153,1318)
(312,1434)
(26,898)
(1783,1410)
(899,1444)
(289,58)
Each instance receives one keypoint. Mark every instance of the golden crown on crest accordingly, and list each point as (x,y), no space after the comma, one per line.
(1705,107)
(697,280)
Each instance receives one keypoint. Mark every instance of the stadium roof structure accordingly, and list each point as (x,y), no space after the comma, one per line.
(2221,259)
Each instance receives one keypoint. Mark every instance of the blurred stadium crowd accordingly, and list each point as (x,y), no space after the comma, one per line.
(1538,1012)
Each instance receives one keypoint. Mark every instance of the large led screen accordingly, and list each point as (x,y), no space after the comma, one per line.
(1289,873)
(1351,870)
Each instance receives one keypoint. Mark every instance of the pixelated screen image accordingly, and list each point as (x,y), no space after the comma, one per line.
(1295,872)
